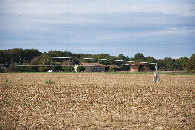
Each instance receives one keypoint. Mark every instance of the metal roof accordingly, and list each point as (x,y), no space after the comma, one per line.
(103,59)
(42,65)
(92,64)
(119,60)
(88,58)
(144,62)
(62,57)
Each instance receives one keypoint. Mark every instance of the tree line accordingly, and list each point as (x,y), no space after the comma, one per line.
(9,59)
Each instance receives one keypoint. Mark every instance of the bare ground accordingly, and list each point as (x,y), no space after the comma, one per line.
(96,101)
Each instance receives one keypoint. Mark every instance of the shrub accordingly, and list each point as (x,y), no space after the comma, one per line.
(192,71)
(3,69)
(27,69)
(80,68)
(49,82)
(68,68)
(45,68)
(7,81)
(112,69)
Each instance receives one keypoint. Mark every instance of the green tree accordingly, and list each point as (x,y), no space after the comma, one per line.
(169,63)
(121,57)
(44,59)
(182,62)
(150,59)
(29,54)
(190,66)
(55,53)
(102,56)
(2,57)
(139,57)
(161,65)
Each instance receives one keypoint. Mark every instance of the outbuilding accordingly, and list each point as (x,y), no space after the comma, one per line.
(93,67)
(136,67)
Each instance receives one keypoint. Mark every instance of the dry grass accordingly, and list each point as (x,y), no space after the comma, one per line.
(96,101)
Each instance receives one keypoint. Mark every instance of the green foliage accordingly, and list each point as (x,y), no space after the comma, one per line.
(80,68)
(167,64)
(57,68)
(139,57)
(161,65)
(182,62)
(44,59)
(106,62)
(49,82)
(59,53)
(68,68)
(16,56)
(121,57)
(7,81)
(145,68)
(76,61)
(192,71)
(27,69)
(112,69)
(3,69)
(12,67)
(2,57)
(150,59)
(190,66)
(45,68)
(125,67)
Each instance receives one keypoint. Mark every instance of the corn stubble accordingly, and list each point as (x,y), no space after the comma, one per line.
(96,101)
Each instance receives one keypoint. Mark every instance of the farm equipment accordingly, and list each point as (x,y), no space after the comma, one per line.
(156,78)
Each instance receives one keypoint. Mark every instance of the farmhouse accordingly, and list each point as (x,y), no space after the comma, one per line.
(136,67)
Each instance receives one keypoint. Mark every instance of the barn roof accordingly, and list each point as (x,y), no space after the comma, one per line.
(113,66)
(135,64)
(91,64)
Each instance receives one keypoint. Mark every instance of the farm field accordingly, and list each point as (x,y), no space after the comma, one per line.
(96,101)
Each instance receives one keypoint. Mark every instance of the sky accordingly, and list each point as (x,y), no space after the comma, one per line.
(157,28)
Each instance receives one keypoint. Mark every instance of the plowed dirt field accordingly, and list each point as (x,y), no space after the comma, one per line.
(96,101)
